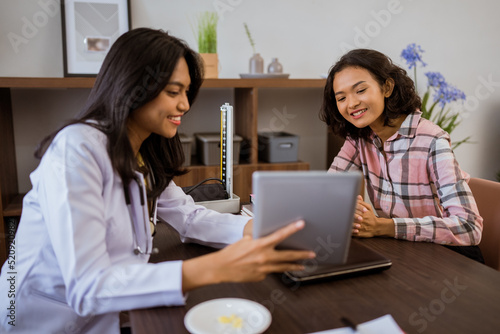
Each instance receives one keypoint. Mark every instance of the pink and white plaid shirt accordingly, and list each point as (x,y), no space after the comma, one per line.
(419,183)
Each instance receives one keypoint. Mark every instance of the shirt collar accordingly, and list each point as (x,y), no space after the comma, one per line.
(409,126)
(407,129)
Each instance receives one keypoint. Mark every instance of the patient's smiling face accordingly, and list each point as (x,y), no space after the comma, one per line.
(359,97)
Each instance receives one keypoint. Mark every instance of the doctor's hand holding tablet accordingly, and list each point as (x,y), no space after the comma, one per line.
(246,260)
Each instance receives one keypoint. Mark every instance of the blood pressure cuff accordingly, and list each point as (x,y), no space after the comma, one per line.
(202,192)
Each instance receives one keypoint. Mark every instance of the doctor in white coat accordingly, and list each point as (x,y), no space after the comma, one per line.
(84,239)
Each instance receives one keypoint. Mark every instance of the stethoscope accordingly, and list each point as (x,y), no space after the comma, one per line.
(137,248)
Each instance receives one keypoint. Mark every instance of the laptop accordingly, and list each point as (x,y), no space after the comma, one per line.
(326,202)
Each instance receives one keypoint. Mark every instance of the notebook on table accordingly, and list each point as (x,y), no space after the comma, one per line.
(326,202)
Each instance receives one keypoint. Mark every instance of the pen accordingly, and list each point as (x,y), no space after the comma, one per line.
(348,322)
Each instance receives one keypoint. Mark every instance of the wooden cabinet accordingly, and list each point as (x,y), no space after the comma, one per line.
(246,94)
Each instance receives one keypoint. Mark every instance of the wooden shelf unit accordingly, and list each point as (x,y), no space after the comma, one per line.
(88,82)
(245,106)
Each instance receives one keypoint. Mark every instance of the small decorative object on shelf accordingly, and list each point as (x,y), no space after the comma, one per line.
(443,93)
(275,66)
(207,43)
(256,64)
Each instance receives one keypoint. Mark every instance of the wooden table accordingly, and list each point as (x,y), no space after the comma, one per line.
(428,289)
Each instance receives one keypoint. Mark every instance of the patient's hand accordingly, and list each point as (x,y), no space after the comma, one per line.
(367,224)
(358,215)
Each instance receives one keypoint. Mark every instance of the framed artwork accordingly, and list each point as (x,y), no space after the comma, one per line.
(89,28)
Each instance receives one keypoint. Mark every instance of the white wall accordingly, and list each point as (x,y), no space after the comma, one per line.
(459,38)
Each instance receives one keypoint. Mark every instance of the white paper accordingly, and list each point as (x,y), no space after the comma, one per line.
(383,325)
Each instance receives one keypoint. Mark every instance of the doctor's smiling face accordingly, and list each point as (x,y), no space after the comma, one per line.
(162,115)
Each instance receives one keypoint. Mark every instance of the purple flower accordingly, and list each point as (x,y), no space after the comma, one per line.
(435,79)
(447,93)
(443,92)
(413,54)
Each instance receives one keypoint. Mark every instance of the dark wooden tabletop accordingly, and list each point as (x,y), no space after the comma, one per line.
(428,289)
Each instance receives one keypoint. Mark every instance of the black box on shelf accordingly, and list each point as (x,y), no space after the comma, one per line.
(187,143)
(208,148)
(278,147)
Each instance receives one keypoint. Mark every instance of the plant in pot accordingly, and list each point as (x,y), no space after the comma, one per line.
(207,43)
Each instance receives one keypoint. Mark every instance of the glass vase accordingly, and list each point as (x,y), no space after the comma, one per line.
(275,66)
(256,65)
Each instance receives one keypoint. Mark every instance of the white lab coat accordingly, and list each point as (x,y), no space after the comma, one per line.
(75,268)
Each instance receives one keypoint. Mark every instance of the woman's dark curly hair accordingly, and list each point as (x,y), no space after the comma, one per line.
(403,100)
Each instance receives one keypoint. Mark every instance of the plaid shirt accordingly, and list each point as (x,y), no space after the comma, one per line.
(418,184)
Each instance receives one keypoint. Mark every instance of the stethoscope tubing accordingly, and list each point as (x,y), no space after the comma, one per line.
(137,248)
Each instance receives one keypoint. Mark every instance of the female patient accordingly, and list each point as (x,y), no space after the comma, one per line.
(412,177)
(85,237)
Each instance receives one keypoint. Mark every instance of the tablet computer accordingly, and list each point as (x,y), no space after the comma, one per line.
(326,202)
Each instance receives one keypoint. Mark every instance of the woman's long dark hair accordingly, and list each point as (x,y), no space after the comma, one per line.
(136,69)
(403,100)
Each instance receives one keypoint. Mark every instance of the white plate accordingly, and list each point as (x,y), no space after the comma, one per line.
(264,75)
(204,317)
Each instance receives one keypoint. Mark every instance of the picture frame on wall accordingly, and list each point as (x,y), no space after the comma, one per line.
(89,29)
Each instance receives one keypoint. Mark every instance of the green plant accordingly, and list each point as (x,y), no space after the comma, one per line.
(252,43)
(443,94)
(207,32)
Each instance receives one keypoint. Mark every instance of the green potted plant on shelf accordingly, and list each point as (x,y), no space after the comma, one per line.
(207,43)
